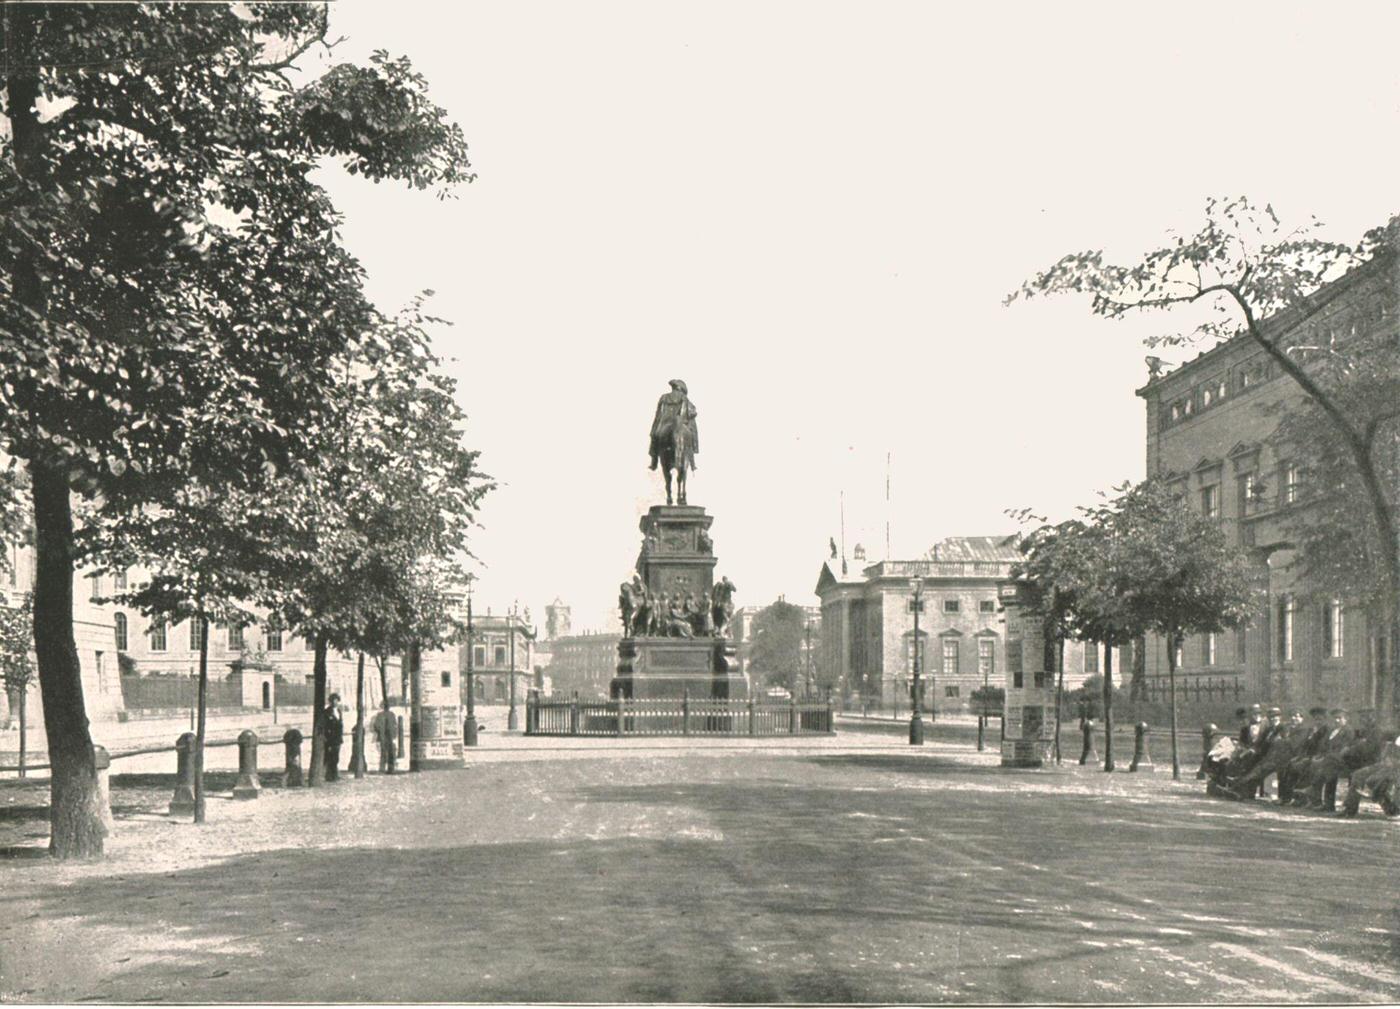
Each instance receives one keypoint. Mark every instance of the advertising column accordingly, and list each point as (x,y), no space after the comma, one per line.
(437,711)
(1030,688)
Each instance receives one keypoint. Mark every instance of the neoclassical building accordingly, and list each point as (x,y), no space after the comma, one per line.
(1210,433)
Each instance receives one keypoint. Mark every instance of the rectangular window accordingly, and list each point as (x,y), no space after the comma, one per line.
(479,656)
(1332,617)
(1249,500)
(119,580)
(1210,501)
(951,690)
(1091,657)
(1241,646)
(119,631)
(950,606)
(307,645)
(235,637)
(987,606)
(196,634)
(95,591)
(1292,483)
(157,635)
(447,679)
(1285,629)
(950,657)
(986,658)
(272,636)
(1180,653)
(499,657)
(1208,650)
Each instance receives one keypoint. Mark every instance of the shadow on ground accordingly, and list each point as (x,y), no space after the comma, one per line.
(812,881)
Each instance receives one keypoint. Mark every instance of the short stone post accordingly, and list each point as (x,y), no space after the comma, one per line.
(182,802)
(573,715)
(1207,741)
(1142,758)
(247,786)
(102,760)
(1088,755)
(685,711)
(291,775)
(981,728)
(751,714)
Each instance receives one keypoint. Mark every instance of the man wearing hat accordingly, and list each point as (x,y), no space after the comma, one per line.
(1276,745)
(674,408)
(1292,776)
(1325,768)
(333,732)
(1253,729)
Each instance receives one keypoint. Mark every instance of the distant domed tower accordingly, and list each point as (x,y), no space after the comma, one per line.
(558,621)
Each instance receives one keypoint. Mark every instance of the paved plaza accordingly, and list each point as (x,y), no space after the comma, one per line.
(845,868)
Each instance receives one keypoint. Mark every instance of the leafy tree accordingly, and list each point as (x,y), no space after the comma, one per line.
(779,634)
(1262,280)
(1174,572)
(385,504)
(162,246)
(17,668)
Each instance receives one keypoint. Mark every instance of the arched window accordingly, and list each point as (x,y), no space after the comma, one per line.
(119,631)
(267,696)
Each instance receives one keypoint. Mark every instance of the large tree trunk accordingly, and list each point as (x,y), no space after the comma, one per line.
(383,665)
(1107,706)
(75,818)
(317,772)
(1172,640)
(203,706)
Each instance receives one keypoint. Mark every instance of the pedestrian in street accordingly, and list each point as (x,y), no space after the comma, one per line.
(333,732)
(386,733)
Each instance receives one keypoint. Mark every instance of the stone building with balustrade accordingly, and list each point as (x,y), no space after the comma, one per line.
(1211,426)
(867,642)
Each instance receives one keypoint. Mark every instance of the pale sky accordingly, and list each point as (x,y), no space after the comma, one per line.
(811,212)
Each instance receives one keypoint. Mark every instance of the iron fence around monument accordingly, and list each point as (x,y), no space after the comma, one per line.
(676,717)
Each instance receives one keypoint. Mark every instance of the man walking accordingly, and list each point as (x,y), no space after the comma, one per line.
(333,732)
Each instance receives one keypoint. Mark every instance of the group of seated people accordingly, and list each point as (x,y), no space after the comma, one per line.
(1308,759)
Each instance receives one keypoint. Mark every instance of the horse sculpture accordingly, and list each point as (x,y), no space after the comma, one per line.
(677,454)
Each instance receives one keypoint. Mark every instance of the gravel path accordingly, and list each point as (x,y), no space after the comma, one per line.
(830,869)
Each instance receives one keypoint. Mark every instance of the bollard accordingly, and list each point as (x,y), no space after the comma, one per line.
(1141,757)
(1207,741)
(182,802)
(291,774)
(1088,755)
(102,760)
(247,786)
(981,728)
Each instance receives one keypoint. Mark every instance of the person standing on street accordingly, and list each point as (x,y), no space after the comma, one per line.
(386,732)
(333,729)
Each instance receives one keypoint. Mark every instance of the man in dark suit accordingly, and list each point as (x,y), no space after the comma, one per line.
(1292,776)
(1279,742)
(1253,728)
(1325,768)
(333,731)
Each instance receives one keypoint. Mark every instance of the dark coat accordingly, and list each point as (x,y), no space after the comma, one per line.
(332,727)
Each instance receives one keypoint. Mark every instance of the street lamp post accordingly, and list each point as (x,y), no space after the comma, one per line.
(512,720)
(469,727)
(809,657)
(916,721)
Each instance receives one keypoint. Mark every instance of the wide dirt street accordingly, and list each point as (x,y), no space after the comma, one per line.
(843,869)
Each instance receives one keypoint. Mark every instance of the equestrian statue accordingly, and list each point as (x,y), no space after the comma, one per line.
(674,438)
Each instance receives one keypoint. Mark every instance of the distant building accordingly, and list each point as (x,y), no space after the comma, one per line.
(1210,434)
(558,620)
(867,644)
(584,664)
(502,648)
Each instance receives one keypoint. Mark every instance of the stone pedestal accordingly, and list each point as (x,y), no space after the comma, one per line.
(1029,718)
(705,668)
(678,559)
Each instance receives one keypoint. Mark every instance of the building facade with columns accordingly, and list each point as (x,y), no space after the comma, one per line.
(502,649)
(867,643)
(1211,427)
